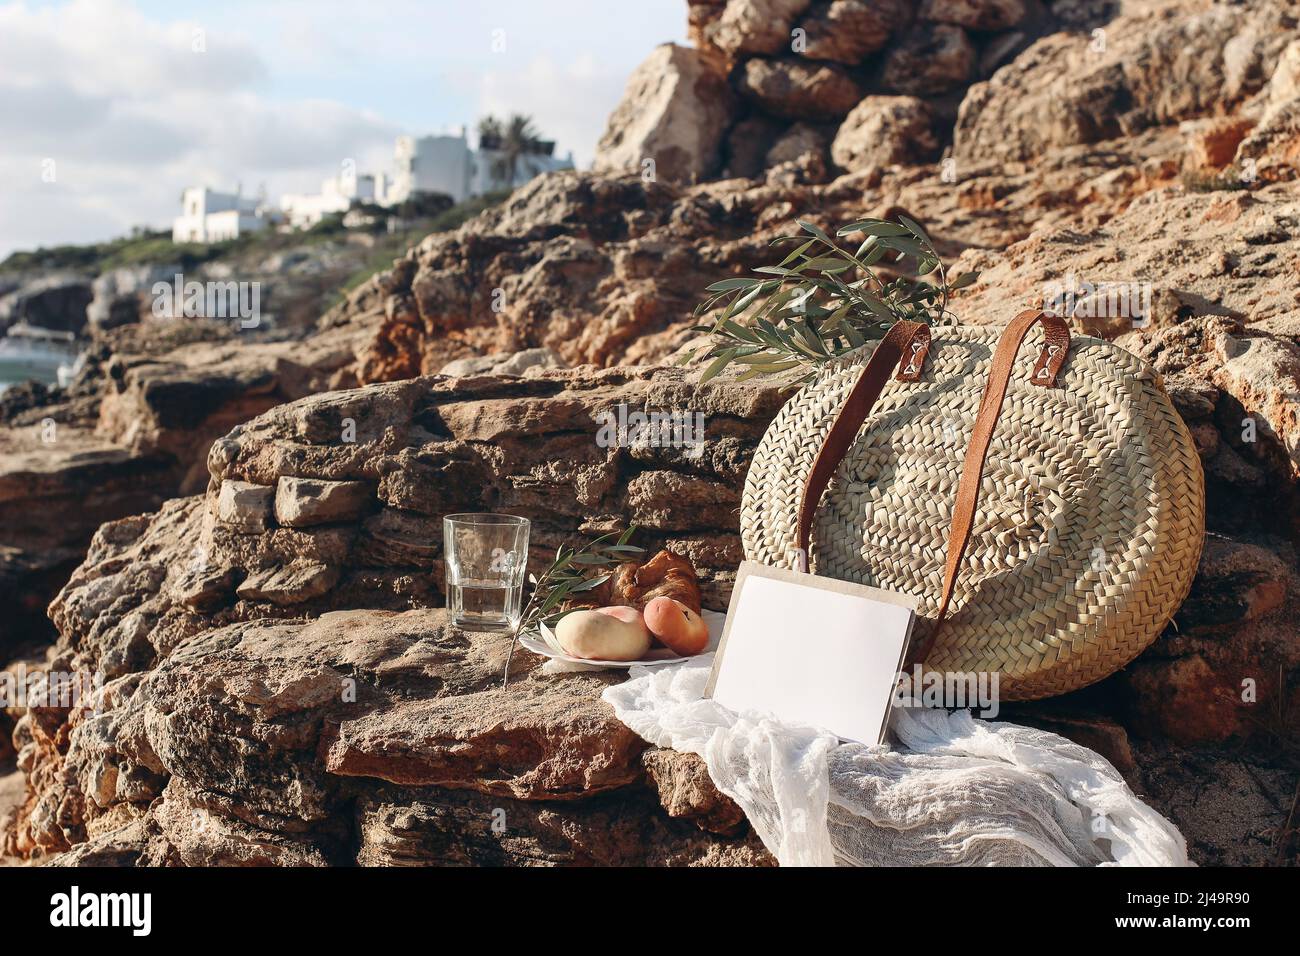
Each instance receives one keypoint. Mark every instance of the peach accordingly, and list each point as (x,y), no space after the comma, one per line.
(605,634)
(680,628)
(628,615)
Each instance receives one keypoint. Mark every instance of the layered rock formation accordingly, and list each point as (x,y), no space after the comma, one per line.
(762,69)
(133,431)
(597,269)
(1157,158)
(336,502)
(1160,63)
(376,738)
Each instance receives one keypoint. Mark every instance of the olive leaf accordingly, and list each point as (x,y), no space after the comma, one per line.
(823,300)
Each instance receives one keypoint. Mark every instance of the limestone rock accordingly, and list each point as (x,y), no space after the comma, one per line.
(206,588)
(1212,143)
(131,431)
(932,58)
(1271,151)
(125,295)
(674,112)
(593,267)
(884,130)
(1178,254)
(747,146)
(58,483)
(808,168)
(301,502)
(1155,65)
(1196,703)
(516,363)
(124,847)
(577,257)
(512,443)
(312,719)
(846,31)
(976,14)
(596,270)
(1263,374)
(57,302)
(799,141)
(754,26)
(1236,582)
(999,51)
(409,828)
(686,791)
(560,743)
(294,583)
(1069,172)
(1284,85)
(176,401)
(245,506)
(796,89)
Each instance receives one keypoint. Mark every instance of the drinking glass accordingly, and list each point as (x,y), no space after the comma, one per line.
(487,558)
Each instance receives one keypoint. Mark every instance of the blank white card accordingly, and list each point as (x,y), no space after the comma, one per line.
(811,650)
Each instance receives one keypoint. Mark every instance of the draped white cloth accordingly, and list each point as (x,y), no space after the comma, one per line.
(956,791)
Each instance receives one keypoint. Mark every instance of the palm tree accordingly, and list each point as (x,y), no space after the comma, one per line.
(513,140)
(489,132)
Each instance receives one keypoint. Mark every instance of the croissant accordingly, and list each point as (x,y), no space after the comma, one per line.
(667,574)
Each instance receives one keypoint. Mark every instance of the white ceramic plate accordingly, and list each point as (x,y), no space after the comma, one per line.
(537,643)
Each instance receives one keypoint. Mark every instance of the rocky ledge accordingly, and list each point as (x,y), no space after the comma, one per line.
(132,432)
(377,738)
(335,502)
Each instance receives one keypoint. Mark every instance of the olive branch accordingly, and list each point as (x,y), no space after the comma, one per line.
(822,300)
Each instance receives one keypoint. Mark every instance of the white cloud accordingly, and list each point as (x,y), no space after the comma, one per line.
(129,112)
(568,103)
(109,47)
(115,93)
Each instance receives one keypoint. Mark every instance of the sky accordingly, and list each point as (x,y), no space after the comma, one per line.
(109,108)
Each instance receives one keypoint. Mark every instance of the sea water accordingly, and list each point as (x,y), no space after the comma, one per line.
(24,359)
(484,605)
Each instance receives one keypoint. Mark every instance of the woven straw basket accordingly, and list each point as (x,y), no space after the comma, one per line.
(1089,517)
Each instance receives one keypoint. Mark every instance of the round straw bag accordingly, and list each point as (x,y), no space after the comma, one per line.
(1045,509)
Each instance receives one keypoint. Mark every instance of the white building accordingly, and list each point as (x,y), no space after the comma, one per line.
(430,164)
(210,216)
(446,164)
(424,164)
(337,194)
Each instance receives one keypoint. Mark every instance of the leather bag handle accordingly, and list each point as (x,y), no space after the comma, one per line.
(871,382)
(904,339)
(1050,359)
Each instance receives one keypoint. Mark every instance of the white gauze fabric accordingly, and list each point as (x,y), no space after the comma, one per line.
(956,791)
